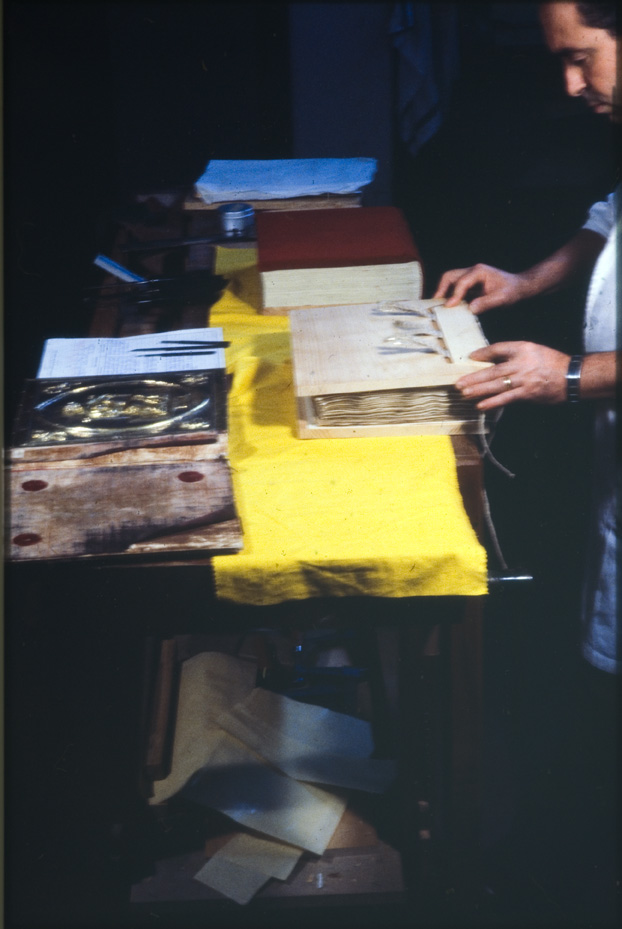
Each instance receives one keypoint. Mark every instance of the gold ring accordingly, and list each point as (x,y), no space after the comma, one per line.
(507,383)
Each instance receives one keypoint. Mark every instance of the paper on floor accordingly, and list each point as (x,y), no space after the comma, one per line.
(212,768)
(238,783)
(231,879)
(243,865)
(210,682)
(309,743)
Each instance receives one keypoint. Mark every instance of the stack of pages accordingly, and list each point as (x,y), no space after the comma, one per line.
(384,369)
(335,257)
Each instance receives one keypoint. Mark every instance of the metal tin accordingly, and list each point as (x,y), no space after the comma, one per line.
(236,219)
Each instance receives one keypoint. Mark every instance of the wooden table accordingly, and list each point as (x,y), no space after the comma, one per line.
(439,669)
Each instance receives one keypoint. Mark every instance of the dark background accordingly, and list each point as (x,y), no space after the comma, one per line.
(104,100)
(107,99)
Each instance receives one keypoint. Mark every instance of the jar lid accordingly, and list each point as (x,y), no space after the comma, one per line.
(241,210)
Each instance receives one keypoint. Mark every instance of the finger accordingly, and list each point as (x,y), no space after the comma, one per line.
(463,284)
(487,302)
(498,400)
(500,385)
(498,351)
(447,281)
(490,381)
(481,354)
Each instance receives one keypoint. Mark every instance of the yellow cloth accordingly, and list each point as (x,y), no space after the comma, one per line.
(329,517)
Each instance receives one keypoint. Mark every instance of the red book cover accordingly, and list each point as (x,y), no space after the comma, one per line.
(333,238)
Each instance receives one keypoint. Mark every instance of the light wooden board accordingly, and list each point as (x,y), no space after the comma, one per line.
(320,202)
(365,354)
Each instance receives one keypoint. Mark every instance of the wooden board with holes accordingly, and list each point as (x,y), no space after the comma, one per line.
(384,369)
(117,476)
(84,511)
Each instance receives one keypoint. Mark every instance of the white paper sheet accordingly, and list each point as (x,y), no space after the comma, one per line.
(309,743)
(238,783)
(115,356)
(243,865)
(274,859)
(231,879)
(210,682)
(282,178)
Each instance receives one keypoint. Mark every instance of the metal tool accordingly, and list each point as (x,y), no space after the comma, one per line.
(168,354)
(160,244)
(182,346)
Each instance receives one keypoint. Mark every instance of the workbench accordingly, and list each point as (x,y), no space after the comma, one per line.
(435,620)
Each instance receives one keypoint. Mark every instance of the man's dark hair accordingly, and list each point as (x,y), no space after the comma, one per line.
(600,16)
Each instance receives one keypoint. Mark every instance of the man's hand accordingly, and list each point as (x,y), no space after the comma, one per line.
(499,287)
(521,371)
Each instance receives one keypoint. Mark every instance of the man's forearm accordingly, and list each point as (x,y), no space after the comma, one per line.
(577,255)
(599,375)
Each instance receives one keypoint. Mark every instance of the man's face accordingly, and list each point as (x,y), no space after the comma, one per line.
(588,56)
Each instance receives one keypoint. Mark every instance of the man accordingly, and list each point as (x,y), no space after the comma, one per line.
(524,371)
(585,37)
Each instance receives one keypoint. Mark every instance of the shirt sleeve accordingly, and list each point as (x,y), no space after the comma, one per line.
(601,217)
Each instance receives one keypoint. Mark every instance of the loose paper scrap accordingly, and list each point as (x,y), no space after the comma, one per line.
(309,743)
(238,783)
(275,859)
(241,867)
(230,879)
(210,682)
(213,769)
(319,727)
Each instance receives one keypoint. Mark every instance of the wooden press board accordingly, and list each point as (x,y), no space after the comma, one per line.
(121,465)
(139,501)
(347,353)
(194,201)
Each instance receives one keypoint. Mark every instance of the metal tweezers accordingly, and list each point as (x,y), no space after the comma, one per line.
(175,347)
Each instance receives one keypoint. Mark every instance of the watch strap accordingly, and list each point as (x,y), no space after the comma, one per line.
(573,378)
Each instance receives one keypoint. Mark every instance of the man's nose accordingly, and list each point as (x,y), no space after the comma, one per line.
(575,82)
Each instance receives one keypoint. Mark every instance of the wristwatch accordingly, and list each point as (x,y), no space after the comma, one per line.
(573,378)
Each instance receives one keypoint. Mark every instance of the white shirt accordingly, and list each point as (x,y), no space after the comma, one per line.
(601,642)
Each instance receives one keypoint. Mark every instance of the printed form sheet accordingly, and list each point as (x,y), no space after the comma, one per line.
(157,353)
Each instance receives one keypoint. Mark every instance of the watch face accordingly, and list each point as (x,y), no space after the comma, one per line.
(70,410)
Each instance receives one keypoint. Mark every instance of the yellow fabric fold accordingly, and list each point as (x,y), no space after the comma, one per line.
(330,517)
